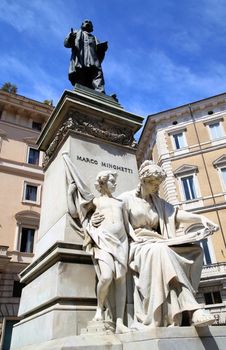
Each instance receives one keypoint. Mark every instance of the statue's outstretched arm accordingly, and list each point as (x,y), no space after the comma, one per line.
(183,216)
(69,41)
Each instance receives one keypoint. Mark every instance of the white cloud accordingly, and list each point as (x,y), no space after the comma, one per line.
(156,82)
(181,83)
(49,18)
(35,82)
(215,12)
(145,79)
(185,41)
(17,15)
(157,85)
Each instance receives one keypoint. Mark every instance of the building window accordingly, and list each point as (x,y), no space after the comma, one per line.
(27,240)
(216,130)
(31,192)
(179,140)
(206,253)
(213,298)
(223,175)
(220,165)
(188,184)
(189,187)
(36,126)
(33,156)
(27,225)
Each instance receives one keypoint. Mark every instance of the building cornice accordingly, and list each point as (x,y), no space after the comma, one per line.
(21,102)
(186,169)
(208,208)
(18,126)
(203,104)
(177,113)
(21,169)
(191,153)
(221,161)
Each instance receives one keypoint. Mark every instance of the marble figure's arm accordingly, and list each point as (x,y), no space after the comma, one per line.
(70,200)
(97,219)
(183,216)
(128,226)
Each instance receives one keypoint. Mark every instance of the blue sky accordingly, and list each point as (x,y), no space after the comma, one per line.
(161,53)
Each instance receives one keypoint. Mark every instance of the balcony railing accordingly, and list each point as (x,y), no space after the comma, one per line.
(214,270)
(219,312)
(4,259)
(3,250)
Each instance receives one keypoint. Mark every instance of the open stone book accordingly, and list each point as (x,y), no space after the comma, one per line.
(192,237)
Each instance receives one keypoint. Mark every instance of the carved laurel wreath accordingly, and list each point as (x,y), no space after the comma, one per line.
(84,125)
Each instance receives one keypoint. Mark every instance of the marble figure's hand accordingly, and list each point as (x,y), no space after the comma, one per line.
(211,226)
(140,239)
(71,188)
(89,247)
(97,219)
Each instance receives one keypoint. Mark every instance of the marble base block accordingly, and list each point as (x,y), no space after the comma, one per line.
(62,281)
(54,322)
(178,338)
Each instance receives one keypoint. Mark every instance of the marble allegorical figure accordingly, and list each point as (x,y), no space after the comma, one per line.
(166,266)
(108,243)
(87,54)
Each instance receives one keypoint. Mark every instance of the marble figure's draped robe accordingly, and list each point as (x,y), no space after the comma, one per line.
(158,260)
(101,244)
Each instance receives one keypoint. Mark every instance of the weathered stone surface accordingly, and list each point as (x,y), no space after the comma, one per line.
(186,338)
(60,320)
(57,283)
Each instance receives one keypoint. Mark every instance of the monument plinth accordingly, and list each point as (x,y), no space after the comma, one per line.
(97,134)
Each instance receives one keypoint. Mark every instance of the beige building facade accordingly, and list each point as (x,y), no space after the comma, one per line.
(21,178)
(189,142)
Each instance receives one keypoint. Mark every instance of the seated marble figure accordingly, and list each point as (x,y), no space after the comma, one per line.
(167,267)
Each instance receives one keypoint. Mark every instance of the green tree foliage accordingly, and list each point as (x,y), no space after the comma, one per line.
(9,87)
(48,102)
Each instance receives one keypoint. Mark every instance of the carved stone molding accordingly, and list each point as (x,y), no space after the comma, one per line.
(85,125)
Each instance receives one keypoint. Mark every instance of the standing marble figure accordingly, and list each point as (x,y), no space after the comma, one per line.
(108,243)
(87,54)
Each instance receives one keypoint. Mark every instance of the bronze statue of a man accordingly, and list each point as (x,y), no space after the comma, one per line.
(87,54)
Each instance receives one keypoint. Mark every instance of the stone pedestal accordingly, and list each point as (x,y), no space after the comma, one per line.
(98,134)
(186,338)
(97,327)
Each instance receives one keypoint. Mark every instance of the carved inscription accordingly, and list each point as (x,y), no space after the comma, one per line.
(105,164)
